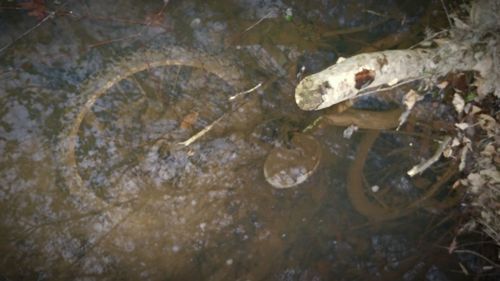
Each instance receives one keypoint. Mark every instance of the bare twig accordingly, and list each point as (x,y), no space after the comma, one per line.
(245,92)
(478,255)
(109,41)
(205,130)
(198,135)
(368,11)
(50,15)
(491,231)
(429,38)
(383,89)
(446,12)
(259,21)
(418,169)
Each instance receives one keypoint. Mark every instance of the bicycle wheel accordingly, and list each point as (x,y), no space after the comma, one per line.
(378,184)
(146,100)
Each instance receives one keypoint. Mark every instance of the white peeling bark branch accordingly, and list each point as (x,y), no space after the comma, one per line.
(337,83)
(367,72)
(469,48)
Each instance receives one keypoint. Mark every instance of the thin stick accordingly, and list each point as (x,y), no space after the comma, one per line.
(446,12)
(109,41)
(374,13)
(245,92)
(361,94)
(491,232)
(429,38)
(205,130)
(49,16)
(198,135)
(418,169)
(478,255)
(259,21)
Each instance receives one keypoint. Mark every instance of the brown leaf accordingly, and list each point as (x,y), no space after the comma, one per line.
(459,82)
(189,120)
(35,8)
(487,123)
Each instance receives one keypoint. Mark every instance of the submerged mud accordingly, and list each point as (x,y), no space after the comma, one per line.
(95,186)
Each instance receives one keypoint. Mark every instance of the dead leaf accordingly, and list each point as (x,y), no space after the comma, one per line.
(393,82)
(448,152)
(492,174)
(441,41)
(489,150)
(487,123)
(411,98)
(402,119)
(462,126)
(458,23)
(475,182)
(349,131)
(442,85)
(475,109)
(458,102)
(189,120)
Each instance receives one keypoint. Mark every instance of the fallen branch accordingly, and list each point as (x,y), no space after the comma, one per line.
(473,47)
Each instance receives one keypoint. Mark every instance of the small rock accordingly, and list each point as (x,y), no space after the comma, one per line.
(195,23)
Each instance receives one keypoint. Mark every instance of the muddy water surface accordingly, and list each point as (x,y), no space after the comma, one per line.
(95,186)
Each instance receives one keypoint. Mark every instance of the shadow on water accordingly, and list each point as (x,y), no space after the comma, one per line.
(95,186)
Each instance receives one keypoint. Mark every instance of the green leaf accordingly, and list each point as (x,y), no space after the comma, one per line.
(470,97)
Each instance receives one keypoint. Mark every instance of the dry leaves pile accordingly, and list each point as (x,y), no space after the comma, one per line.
(477,145)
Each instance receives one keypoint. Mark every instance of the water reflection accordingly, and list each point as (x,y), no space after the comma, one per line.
(93,188)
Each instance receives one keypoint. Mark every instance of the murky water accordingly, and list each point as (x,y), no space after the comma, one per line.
(95,183)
